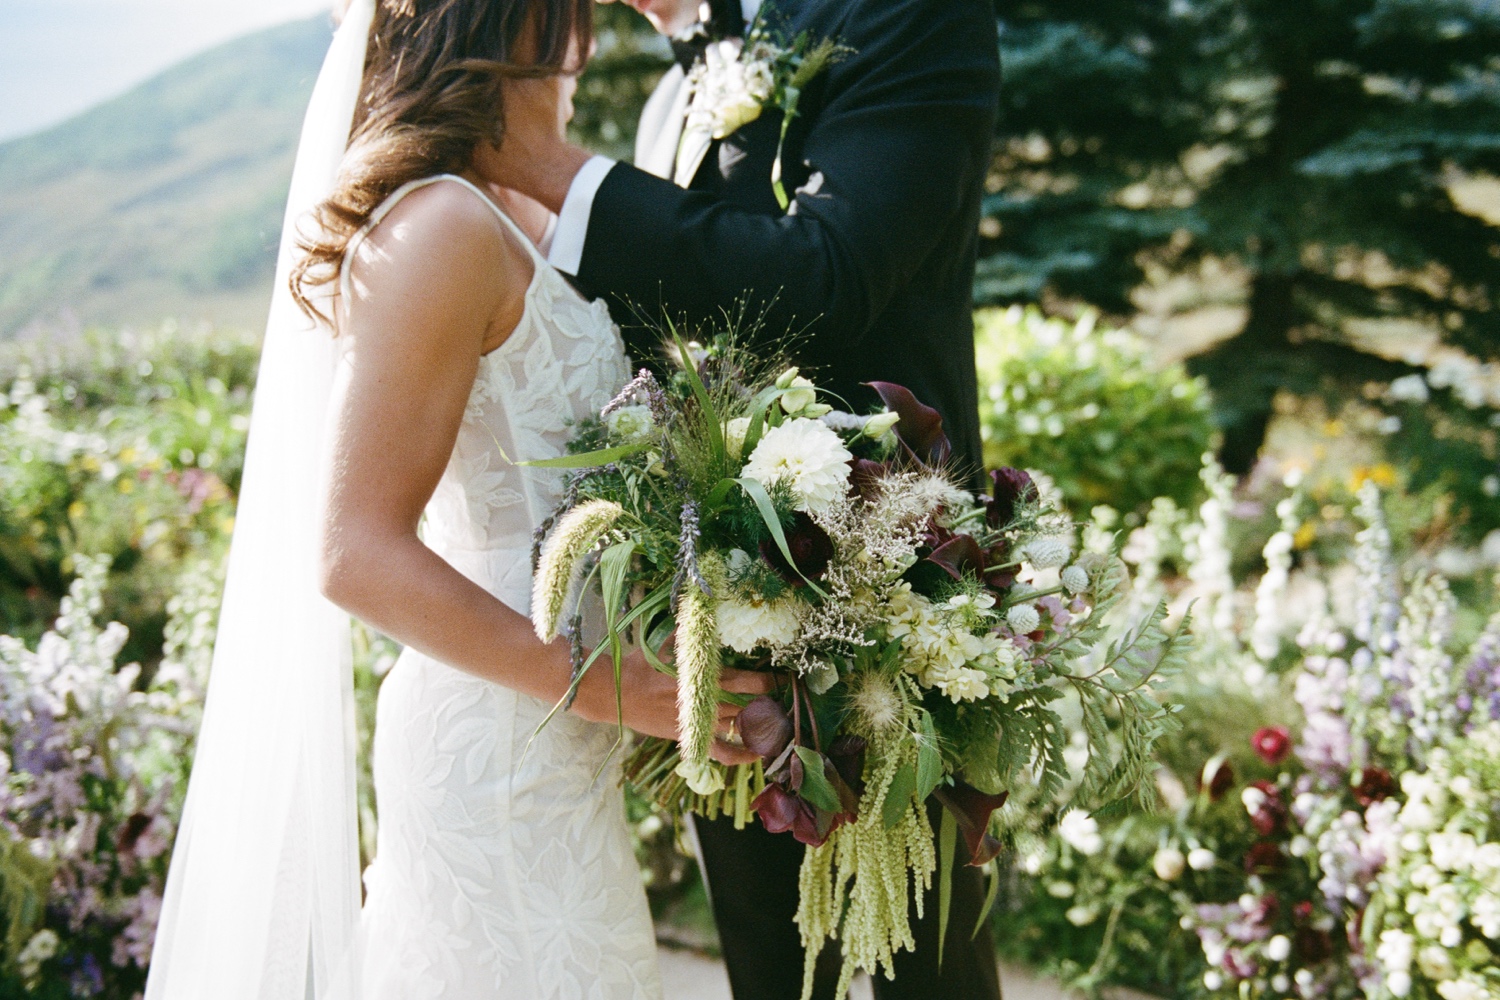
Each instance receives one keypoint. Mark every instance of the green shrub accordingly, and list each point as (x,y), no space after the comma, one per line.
(1088,407)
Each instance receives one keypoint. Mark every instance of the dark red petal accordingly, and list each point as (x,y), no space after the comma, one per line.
(777,808)
(920,427)
(765,727)
(958,555)
(973,808)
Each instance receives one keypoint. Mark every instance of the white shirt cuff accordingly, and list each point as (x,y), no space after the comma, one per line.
(572,229)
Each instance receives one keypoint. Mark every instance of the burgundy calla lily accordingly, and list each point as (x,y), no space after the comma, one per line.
(973,808)
(920,427)
(959,556)
(777,808)
(765,728)
(1012,487)
(811,550)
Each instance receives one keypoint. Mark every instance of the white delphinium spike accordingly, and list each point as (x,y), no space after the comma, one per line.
(1376,606)
(577,531)
(1265,635)
(1208,554)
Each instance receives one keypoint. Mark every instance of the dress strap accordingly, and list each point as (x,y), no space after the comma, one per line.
(390,203)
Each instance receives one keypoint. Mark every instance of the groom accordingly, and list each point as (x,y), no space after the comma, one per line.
(874,256)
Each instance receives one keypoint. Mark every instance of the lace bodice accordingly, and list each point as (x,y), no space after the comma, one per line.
(562,364)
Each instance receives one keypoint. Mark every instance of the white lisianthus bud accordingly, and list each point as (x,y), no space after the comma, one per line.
(1076,579)
(1047,553)
(881,424)
(1023,618)
(1168,864)
(800,394)
(735,432)
(1279,948)
(1201,859)
(817,410)
(784,380)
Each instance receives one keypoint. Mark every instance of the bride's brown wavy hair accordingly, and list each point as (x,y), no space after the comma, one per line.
(431,94)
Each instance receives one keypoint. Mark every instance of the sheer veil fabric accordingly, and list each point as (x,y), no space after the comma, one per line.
(262,900)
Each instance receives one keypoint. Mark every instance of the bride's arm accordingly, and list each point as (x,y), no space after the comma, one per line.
(434,287)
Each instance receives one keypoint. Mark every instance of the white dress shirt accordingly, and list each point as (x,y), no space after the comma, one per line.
(661,125)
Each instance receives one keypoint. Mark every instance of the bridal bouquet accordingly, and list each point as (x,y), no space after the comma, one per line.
(928,643)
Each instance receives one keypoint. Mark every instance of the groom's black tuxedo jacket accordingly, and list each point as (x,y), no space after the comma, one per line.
(888,156)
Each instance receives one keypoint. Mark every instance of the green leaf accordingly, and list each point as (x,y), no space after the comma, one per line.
(589,459)
(929,759)
(947,847)
(762,500)
(762,402)
(815,787)
(989,900)
(898,797)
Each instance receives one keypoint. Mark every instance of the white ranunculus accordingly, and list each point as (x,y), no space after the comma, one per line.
(745,626)
(809,456)
(1168,864)
(1080,831)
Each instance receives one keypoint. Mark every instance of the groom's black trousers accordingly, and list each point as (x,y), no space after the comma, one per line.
(752,880)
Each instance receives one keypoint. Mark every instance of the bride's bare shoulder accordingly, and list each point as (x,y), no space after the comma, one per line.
(443,237)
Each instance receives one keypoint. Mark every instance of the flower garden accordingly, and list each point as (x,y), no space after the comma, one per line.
(1325,822)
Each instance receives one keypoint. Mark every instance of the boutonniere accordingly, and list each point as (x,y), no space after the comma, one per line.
(737,79)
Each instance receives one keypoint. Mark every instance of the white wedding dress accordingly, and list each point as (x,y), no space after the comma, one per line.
(498,876)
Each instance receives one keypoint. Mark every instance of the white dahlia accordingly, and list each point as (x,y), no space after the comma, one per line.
(745,626)
(807,454)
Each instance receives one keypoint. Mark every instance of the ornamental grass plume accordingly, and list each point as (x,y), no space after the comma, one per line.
(577,532)
(699,661)
(857,887)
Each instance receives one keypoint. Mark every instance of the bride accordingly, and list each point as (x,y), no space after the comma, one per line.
(434,347)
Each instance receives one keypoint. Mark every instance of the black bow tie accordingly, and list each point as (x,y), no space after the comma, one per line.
(724,21)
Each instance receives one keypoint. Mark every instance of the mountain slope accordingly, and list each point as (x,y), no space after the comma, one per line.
(165,201)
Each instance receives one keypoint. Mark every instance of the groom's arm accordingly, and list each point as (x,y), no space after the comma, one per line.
(903,137)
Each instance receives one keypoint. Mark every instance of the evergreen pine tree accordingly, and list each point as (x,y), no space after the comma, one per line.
(1312,146)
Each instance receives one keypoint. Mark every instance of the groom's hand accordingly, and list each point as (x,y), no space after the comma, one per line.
(534,156)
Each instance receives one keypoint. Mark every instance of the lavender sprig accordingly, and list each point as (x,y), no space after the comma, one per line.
(687,559)
(644,384)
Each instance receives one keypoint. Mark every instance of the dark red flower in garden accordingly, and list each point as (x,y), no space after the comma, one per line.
(1312,946)
(1263,858)
(1217,778)
(1272,743)
(1267,810)
(1375,783)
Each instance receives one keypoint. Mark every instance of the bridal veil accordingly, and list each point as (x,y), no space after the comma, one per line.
(262,900)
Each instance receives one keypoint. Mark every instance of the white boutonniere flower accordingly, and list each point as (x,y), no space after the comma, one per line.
(737,79)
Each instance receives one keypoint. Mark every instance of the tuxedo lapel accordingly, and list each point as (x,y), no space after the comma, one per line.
(662,120)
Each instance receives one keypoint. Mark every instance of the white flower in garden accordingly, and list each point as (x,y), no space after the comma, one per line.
(1168,864)
(1213,980)
(1452,852)
(1279,948)
(1399,983)
(1201,859)
(809,456)
(1254,799)
(1023,618)
(1435,962)
(799,395)
(1408,389)
(1395,951)
(1081,916)
(631,422)
(1081,831)
(1076,579)
(1047,553)
(747,625)
(1468,987)
(1485,915)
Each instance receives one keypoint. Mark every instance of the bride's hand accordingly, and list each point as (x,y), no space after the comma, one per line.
(650,701)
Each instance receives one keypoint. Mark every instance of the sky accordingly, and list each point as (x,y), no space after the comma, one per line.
(59,57)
